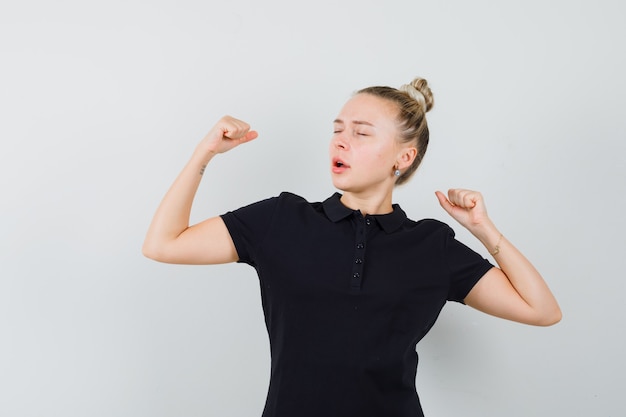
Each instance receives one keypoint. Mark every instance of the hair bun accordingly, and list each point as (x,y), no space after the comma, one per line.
(419,90)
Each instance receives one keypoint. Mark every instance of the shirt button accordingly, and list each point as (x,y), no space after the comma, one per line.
(368,221)
(358,261)
(360,246)
(356,275)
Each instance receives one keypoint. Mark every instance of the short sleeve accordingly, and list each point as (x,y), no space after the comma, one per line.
(466,267)
(248,227)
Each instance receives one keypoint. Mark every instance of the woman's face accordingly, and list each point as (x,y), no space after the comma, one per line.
(364,149)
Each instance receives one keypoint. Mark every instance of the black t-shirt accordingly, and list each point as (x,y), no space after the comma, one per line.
(346,299)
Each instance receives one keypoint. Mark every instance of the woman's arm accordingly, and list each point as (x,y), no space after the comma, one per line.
(170,238)
(515,291)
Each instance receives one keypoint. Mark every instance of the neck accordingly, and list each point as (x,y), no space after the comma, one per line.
(367,204)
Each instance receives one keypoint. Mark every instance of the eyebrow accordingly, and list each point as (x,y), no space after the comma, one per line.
(356,122)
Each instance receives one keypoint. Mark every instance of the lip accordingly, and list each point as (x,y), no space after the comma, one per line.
(339,165)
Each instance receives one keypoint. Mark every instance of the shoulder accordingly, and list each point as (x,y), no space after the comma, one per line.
(291,198)
(430,226)
(284,198)
(425,235)
(284,202)
(293,208)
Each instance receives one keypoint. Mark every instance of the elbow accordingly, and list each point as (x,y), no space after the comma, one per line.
(151,251)
(160,251)
(148,252)
(550,319)
(556,318)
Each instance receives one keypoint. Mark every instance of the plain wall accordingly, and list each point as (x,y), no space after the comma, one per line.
(101,104)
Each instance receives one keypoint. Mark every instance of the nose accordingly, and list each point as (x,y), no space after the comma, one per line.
(340,141)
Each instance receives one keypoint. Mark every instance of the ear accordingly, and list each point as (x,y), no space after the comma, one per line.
(406,156)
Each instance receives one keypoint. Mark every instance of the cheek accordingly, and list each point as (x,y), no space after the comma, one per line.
(385,154)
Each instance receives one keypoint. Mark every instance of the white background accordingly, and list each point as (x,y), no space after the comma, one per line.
(101,104)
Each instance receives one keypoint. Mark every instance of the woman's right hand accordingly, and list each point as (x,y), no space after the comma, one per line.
(227,133)
(170,238)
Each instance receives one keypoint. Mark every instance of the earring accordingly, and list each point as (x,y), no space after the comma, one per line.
(396,172)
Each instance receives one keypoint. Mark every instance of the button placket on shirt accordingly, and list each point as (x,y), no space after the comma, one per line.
(359,253)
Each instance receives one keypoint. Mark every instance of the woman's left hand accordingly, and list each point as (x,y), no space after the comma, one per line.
(466,207)
(515,291)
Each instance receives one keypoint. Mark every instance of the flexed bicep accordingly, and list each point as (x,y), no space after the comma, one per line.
(170,238)
(205,243)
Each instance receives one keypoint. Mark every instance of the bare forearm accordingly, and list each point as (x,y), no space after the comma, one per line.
(172,215)
(520,272)
(516,290)
(169,237)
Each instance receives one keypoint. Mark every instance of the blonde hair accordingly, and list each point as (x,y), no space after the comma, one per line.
(414,100)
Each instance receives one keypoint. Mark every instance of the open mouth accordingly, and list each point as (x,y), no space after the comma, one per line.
(339,166)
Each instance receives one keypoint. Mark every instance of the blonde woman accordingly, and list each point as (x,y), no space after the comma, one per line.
(351,284)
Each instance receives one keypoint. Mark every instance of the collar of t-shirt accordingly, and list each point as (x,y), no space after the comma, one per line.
(336,211)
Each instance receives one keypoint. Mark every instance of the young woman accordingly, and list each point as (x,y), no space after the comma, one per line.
(350,285)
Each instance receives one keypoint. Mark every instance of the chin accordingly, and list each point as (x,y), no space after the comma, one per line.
(340,185)
(348,188)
